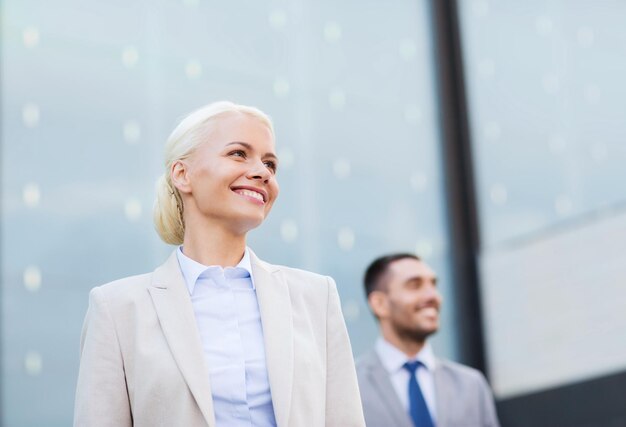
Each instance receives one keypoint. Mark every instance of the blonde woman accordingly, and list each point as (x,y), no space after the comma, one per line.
(215,336)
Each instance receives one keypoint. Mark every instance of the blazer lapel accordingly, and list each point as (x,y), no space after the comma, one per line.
(173,306)
(380,378)
(275,307)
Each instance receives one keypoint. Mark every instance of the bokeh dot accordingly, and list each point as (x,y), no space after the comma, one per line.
(407,49)
(592,94)
(492,131)
(337,99)
(32,278)
(132,131)
(31,195)
(599,152)
(133,209)
(281,87)
(345,239)
(351,310)
(419,181)
(130,57)
(30,37)
(585,37)
(289,230)
(557,143)
(563,205)
(487,68)
(412,114)
(286,158)
(498,194)
(543,25)
(193,69)
(480,8)
(341,168)
(424,248)
(33,363)
(30,115)
(278,19)
(551,83)
(332,32)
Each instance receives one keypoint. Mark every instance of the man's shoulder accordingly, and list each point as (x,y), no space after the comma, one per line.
(367,361)
(456,372)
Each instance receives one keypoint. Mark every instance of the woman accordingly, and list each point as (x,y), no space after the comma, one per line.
(215,336)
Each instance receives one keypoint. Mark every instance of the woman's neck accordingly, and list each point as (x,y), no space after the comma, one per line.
(214,246)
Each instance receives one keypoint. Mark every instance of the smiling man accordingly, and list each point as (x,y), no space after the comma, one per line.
(402,383)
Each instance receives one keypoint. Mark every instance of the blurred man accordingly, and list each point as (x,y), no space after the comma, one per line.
(402,383)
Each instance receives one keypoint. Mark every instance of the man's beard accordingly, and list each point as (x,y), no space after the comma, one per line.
(414,334)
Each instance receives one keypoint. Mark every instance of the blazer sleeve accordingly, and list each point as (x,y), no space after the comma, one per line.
(343,401)
(101,393)
(490,417)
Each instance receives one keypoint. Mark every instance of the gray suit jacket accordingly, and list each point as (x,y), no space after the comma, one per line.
(462,395)
(142,362)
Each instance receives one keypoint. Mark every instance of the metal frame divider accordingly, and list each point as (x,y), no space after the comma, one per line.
(459,181)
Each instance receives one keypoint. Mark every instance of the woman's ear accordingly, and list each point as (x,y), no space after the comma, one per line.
(379,303)
(179,174)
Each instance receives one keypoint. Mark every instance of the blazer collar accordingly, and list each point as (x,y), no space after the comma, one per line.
(394,359)
(173,307)
(276,317)
(381,384)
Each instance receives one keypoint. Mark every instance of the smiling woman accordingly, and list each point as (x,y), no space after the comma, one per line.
(215,336)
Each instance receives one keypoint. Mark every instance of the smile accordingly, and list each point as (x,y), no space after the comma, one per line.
(429,311)
(256,195)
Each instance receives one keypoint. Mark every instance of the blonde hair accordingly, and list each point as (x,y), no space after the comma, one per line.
(188,135)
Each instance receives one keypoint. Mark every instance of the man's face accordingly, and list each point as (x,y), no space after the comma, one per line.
(412,300)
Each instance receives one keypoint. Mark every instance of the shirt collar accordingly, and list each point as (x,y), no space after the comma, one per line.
(192,269)
(393,359)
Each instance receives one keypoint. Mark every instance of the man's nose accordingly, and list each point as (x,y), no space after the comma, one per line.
(432,292)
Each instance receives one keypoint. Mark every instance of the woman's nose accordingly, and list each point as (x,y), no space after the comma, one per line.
(258,170)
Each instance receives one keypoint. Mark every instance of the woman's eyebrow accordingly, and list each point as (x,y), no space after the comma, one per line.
(249,147)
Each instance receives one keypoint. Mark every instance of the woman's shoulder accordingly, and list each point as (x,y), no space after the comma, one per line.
(126,288)
(298,272)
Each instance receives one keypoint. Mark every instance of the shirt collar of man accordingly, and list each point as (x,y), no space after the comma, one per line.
(192,269)
(393,359)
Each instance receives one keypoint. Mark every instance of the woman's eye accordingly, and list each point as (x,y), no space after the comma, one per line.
(270,165)
(238,153)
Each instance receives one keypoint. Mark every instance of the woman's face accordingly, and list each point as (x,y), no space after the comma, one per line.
(230,180)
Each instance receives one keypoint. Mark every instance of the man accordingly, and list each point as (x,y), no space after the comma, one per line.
(402,383)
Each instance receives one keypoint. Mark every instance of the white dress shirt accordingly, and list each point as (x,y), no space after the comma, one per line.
(393,360)
(229,321)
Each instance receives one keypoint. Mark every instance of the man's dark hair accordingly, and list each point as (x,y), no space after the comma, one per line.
(377,269)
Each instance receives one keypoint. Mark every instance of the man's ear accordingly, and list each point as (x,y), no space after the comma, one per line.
(379,303)
(180,176)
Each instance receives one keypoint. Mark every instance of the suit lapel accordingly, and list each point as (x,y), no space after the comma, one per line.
(379,377)
(275,307)
(173,306)
(442,394)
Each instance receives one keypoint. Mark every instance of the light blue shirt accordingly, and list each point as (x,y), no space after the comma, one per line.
(229,321)
(393,360)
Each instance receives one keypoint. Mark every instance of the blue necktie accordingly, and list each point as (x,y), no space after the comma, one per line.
(417,404)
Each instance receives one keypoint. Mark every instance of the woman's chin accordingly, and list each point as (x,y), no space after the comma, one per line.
(247,223)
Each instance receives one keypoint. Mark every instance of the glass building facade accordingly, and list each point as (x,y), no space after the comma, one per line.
(91,90)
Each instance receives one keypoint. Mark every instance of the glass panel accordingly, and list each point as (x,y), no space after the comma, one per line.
(546,98)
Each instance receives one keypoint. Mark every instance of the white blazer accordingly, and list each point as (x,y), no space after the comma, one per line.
(142,363)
